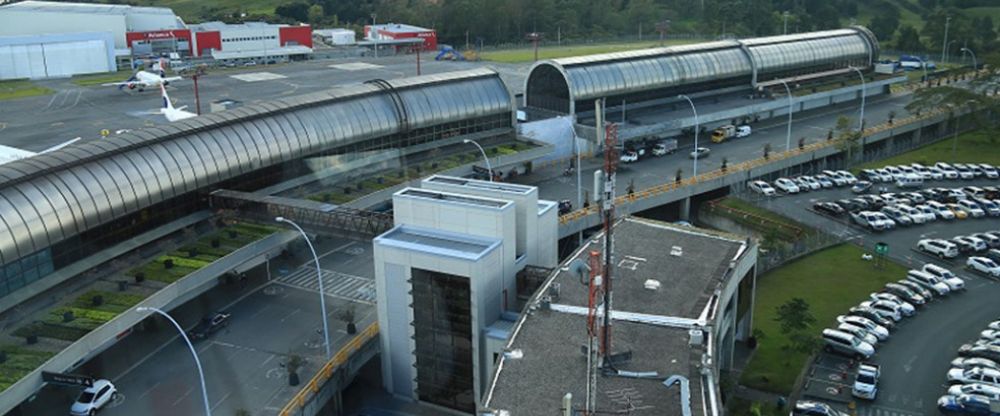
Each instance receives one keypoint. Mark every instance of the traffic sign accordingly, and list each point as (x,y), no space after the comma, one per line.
(64,379)
(881,248)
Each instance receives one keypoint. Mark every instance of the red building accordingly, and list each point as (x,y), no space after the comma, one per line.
(397,31)
(225,41)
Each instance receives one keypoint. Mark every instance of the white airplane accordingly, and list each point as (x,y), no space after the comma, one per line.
(9,154)
(144,79)
(173,114)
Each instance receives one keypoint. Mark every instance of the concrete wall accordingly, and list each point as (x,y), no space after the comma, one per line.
(56,55)
(20,23)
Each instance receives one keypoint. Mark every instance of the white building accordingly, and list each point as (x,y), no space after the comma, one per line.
(45,17)
(336,36)
(56,55)
(446,274)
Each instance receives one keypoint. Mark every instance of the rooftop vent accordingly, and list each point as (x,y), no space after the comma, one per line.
(676,251)
(554,290)
(697,337)
(515,354)
(546,303)
(652,284)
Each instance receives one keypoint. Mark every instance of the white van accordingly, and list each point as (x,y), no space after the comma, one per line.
(910,180)
(743,131)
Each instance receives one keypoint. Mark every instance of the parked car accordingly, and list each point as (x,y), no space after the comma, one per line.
(963,171)
(983,265)
(987,376)
(941,210)
(829,208)
(870,175)
(861,187)
(992,208)
(977,389)
(993,254)
(910,180)
(897,216)
(847,344)
(847,176)
(859,332)
(956,209)
(990,334)
(929,213)
(928,282)
(972,208)
(699,153)
(802,184)
(209,325)
(871,220)
(989,171)
(990,352)
(786,185)
(966,363)
(866,381)
(811,408)
(94,398)
(813,183)
(835,178)
(824,181)
(905,307)
(762,188)
(964,246)
(916,216)
(880,332)
(920,290)
(944,275)
(905,293)
(887,309)
(873,315)
(915,197)
(967,405)
(941,248)
(946,169)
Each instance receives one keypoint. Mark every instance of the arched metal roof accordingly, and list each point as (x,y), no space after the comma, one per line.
(48,198)
(722,63)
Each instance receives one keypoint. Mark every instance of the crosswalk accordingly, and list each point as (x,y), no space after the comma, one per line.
(885,411)
(335,284)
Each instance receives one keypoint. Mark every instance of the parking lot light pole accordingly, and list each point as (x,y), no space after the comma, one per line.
(194,353)
(487,159)
(319,277)
(788,134)
(973,57)
(861,120)
(696,127)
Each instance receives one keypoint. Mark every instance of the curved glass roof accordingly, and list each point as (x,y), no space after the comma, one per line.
(48,198)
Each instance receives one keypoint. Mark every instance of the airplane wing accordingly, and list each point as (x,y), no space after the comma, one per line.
(115,84)
(172,79)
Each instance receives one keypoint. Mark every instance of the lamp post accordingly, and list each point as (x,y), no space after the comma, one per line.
(696,127)
(374,33)
(319,277)
(788,134)
(973,57)
(468,141)
(194,353)
(923,65)
(784,16)
(861,120)
(944,49)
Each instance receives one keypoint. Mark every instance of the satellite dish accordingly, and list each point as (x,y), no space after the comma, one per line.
(580,269)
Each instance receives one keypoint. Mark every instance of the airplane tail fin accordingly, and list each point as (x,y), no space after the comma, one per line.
(166,98)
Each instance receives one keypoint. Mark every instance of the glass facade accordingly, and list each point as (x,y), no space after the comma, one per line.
(442,323)
(19,274)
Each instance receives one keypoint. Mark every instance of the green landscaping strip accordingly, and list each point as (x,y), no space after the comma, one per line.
(21,88)
(981,146)
(98,79)
(830,281)
(19,362)
(786,229)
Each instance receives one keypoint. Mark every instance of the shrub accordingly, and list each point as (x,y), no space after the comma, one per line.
(168,264)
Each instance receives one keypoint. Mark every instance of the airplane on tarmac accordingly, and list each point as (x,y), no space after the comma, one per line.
(173,114)
(9,154)
(145,79)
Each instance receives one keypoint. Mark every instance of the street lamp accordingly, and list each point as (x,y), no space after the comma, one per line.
(923,65)
(468,141)
(788,135)
(319,276)
(861,120)
(785,18)
(696,127)
(374,33)
(947,49)
(944,48)
(197,362)
(973,57)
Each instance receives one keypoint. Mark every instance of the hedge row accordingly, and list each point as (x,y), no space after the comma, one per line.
(20,361)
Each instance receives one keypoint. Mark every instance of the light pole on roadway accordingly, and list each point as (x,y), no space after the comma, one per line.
(696,127)
(944,48)
(319,277)
(468,141)
(788,135)
(973,57)
(861,120)
(194,353)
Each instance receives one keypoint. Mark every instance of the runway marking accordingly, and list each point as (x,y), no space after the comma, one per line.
(355,66)
(257,76)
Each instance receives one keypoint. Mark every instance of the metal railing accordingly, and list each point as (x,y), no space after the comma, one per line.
(324,374)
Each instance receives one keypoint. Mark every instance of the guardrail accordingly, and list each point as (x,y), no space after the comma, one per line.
(324,374)
(742,167)
(104,335)
(716,205)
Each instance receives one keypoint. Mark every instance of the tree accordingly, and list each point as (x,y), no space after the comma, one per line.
(847,137)
(885,22)
(794,315)
(908,40)
(315,13)
(297,11)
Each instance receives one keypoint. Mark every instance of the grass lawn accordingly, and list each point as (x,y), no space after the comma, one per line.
(552,52)
(785,226)
(21,88)
(201,253)
(98,79)
(981,146)
(20,361)
(831,281)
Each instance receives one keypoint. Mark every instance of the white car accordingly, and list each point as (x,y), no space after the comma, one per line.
(936,174)
(629,156)
(880,332)
(94,398)
(835,178)
(918,216)
(945,276)
(990,334)
(905,307)
(989,171)
(786,185)
(885,308)
(929,213)
(977,389)
(813,183)
(873,220)
(866,382)
(946,169)
(983,265)
(973,362)
(824,181)
(884,175)
(940,248)
(964,172)
(762,188)
(941,210)
(859,332)
(927,281)
(847,176)
(985,376)
(972,208)
(994,325)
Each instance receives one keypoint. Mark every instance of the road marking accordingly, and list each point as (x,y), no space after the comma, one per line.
(149,390)
(290,315)
(226,396)
(258,76)
(180,399)
(909,364)
(266,361)
(354,66)
(341,285)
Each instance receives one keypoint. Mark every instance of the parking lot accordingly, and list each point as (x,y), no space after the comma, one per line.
(915,358)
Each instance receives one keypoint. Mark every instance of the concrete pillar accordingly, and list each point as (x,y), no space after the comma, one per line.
(685,209)
(338,403)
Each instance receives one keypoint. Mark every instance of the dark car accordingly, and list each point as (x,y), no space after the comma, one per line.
(967,404)
(905,293)
(209,325)
(930,194)
(920,290)
(989,352)
(963,246)
(848,205)
(861,187)
(870,313)
(861,203)
(829,208)
(811,408)
(565,207)
(991,192)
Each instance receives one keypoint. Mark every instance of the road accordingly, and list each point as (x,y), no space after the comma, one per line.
(37,123)
(243,363)
(916,357)
(652,171)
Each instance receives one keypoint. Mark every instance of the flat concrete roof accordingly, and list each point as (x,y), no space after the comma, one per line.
(454,198)
(479,184)
(438,242)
